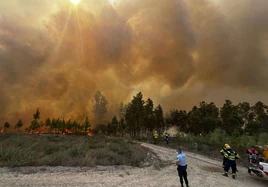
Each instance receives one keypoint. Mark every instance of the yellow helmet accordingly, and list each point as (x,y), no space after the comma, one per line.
(227,146)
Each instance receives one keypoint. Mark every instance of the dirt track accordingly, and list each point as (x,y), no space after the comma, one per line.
(201,170)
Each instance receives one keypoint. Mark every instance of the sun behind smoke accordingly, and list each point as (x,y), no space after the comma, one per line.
(75,2)
(112,2)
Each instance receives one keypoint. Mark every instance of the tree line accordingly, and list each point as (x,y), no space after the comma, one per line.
(57,125)
(140,118)
(137,118)
(233,119)
(52,125)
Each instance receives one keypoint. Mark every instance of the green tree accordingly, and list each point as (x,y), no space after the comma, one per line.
(261,116)
(130,119)
(61,125)
(204,119)
(253,127)
(246,113)
(86,125)
(34,125)
(121,110)
(18,125)
(135,114)
(6,125)
(195,117)
(99,106)
(182,121)
(172,117)
(113,126)
(122,127)
(210,117)
(149,117)
(231,120)
(54,125)
(69,124)
(76,126)
(48,123)
(36,115)
(159,116)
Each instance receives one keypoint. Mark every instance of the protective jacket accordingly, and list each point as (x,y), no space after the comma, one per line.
(231,155)
(223,152)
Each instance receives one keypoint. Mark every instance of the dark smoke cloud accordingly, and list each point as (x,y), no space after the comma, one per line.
(55,57)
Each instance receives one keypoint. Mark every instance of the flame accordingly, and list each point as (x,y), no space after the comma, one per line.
(3,130)
(89,133)
(67,131)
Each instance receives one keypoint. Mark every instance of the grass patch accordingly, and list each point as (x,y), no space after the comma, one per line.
(56,150)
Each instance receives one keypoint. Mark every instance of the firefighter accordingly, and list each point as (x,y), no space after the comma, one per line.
(230,162)
(155,136)
(167,138)
(223,151)
(252,155)
(265,153)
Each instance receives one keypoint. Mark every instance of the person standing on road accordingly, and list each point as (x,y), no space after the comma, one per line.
(167,138)
(231,157)
(252,155)
(225,156)
(182,167)
(155,137)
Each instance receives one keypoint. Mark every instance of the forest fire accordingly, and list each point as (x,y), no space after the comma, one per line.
(67,131)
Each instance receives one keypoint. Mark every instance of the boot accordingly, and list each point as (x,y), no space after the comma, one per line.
(233,176)
(225,174)
(249,171)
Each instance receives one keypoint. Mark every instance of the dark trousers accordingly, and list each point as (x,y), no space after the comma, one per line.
(167,140)
(183,174)
(224,161)
(232,164)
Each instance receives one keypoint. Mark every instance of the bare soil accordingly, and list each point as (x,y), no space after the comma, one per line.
(202,171)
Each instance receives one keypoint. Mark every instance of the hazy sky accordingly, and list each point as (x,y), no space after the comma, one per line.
(55,56)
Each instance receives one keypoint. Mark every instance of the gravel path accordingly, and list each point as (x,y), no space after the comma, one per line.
(201,172)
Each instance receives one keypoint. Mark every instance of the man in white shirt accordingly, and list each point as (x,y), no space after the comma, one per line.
(182,167)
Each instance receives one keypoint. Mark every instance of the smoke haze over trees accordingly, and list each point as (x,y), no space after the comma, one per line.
(55,57)
(141,118)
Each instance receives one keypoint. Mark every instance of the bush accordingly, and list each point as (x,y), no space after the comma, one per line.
(211,143)
(263,139)
(74,150)
(217,137)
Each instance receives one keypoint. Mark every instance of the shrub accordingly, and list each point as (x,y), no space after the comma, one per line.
(263,139)
(74,150)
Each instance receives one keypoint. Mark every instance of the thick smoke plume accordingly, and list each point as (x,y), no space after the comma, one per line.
(55,56)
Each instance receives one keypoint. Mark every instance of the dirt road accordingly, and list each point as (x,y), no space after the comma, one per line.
(203,172)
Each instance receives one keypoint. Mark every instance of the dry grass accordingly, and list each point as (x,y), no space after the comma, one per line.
(72,150)
(212,169)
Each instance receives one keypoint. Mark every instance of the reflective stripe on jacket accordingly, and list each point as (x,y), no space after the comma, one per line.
(231,155)
(223,152)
